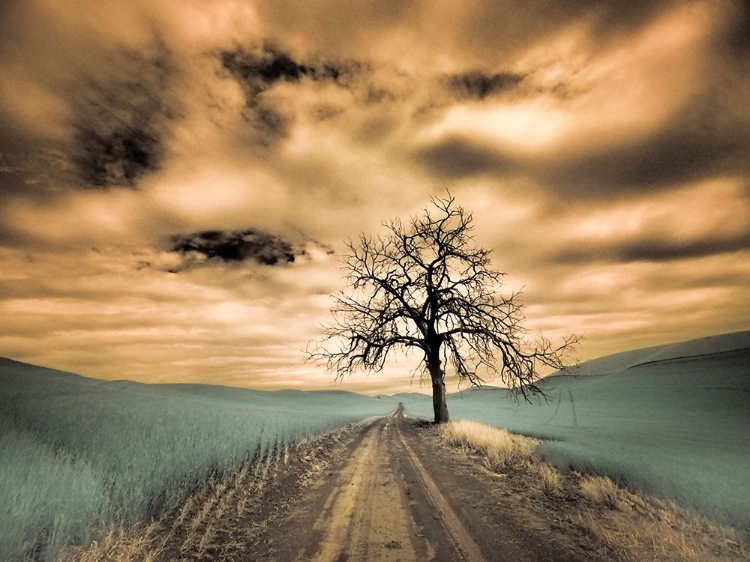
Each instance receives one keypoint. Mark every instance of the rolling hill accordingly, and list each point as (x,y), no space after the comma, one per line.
(672,420)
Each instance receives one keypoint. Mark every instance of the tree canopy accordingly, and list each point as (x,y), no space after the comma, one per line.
(425,286)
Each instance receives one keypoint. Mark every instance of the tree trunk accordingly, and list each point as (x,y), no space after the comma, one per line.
(438,401)
(434,365)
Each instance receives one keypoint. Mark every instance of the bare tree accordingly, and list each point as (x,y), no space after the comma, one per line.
(424,286)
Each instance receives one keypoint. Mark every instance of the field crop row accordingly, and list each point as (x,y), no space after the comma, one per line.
(81,455)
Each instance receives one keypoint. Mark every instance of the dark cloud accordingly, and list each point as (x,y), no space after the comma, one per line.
(654,249)
(478,85)
(692,148)
(270,125)
(259,69)
(121,122)
(683,153)
(233,247)
(457,157)
(117,157)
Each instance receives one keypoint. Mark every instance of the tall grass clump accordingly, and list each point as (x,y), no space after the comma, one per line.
(550,479)
(80,456)
(601,490)
(497,447)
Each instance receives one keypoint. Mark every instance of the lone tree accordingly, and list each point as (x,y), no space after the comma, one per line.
(425,286)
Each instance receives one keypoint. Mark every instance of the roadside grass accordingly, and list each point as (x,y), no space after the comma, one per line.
(632,526)
(221,517)
(498,448)
(82,458)
(550,479)
(639,527)
(601,490)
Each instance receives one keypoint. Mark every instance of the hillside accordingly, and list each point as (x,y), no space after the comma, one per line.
(80,454)
(671,420)
(711,345)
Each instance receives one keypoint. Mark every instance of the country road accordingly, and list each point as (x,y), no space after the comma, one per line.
(370,515)
(387,489)
(392,489)
(386,500)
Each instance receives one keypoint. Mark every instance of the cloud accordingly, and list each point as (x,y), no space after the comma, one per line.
(259,69)
(229,247)
(120,122)
(114,318)
(703,219)
(603,118)
(455,157)
(691,149)
(657,250)
(478,85)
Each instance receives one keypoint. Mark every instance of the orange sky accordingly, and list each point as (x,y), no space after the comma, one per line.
(604,150)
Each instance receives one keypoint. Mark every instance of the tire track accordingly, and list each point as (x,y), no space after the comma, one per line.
(366,517)
(371,513)
(463,543)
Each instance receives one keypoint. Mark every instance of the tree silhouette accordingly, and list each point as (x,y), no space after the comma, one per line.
(424,286)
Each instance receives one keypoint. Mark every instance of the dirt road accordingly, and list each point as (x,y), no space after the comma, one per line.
(384,502)
(392,489)
(370,512)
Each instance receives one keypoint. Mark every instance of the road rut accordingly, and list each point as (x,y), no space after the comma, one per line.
(395,493)
(382,506)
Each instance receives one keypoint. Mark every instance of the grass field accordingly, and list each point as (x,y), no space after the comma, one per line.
(673,421)
(79,455)
(616,522)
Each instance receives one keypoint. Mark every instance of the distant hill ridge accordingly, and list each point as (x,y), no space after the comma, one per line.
(701,347)
(608,364)
(17,376)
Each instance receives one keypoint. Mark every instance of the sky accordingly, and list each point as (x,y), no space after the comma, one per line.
(178,178)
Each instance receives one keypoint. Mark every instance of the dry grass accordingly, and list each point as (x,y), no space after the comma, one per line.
(601,490)
(220,519)
(136,545)
(550,479)
(497,447)
(500,450)
(639,527)
(628,525)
